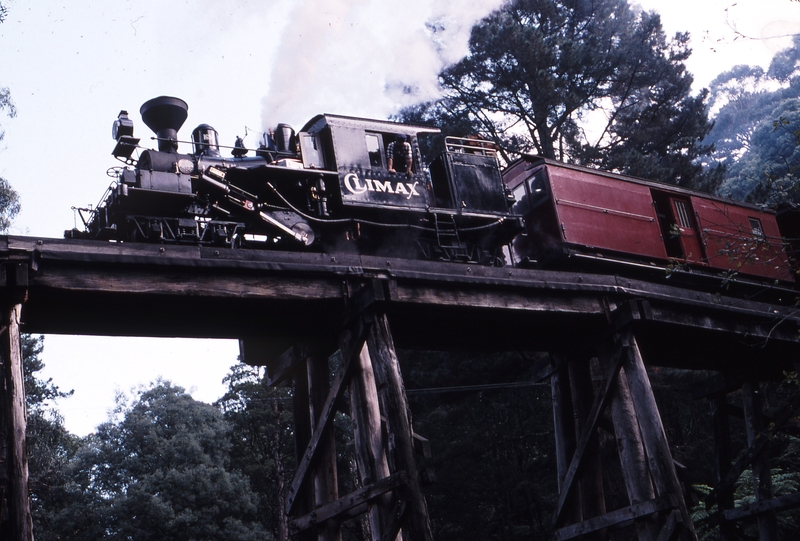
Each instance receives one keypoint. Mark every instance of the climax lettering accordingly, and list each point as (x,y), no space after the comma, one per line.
(385,186)
(355,185)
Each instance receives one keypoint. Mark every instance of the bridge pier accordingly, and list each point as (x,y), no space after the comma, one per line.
(656,504)
(390,493)
(15,514)
(16,522)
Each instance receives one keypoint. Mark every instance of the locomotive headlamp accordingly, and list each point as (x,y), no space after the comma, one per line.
(122,132)
(122,126)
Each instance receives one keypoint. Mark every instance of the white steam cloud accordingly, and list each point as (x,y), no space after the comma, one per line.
(365,57)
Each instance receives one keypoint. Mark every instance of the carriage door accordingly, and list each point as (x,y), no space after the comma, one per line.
(685,227)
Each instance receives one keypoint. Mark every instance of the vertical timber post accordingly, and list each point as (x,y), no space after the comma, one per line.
(762,478)
(368,435)
(722,462)
(398,414)
(630,446)
(19,526)
(662,467)
(564,424)
(325,478)
(302,435)
(591,479)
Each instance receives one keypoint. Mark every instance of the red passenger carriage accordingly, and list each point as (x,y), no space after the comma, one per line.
(592,216)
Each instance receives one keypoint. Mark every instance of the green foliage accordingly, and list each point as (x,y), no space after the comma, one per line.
(9,205)
(493,451)
(49,444)
(757,129)
(9,199)
(262,440)
(542,75)
(6,104)
(159,469)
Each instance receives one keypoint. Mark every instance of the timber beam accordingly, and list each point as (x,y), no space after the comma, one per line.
(290,298)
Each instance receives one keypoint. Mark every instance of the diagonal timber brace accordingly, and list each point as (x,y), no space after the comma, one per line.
(351,348)
(588,431)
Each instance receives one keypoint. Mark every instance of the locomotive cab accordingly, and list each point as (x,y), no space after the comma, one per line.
(356,150)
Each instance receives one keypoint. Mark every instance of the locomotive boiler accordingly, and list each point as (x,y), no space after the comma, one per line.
(329,187)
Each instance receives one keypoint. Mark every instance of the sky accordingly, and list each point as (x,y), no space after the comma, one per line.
(242,66)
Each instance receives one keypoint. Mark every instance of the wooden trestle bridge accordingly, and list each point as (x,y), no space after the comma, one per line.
(293,310)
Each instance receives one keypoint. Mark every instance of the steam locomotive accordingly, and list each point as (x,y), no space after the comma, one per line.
(329,187)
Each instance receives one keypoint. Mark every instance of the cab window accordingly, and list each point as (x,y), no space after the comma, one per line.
(374,150)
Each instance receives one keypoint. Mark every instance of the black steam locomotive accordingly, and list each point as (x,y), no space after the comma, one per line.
(329,187)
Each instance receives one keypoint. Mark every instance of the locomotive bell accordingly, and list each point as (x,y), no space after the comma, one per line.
(165,115)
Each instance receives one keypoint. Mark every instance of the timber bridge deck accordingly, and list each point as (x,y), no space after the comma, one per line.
(292,308)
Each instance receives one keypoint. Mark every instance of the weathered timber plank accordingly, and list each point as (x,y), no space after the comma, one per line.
(395,404)
(632,456)
(302,435)
(340,507)
(618,518)
(564,427)
(780,503)
(177,282)
(502,299)
(278,368)
(397,518)
(326,483)
(768,326)
(371,457)
(669,526)
(662,467)
(98,252)
(19,525)
(590,476)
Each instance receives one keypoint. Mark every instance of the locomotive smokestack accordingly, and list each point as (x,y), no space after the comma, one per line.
(165,115)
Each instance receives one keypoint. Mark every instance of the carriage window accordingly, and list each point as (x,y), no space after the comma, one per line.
(374,150)
(538,189)
(682,214)
(755,226)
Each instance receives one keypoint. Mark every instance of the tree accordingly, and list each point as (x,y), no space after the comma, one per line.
(262,440)
(50,446)
(757,129)
(159,470)
(590,81)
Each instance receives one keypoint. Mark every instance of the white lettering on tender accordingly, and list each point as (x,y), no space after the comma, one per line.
(385,186)
(354,185)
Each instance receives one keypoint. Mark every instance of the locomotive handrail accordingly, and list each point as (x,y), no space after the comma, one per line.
(469,145)
(496,222)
